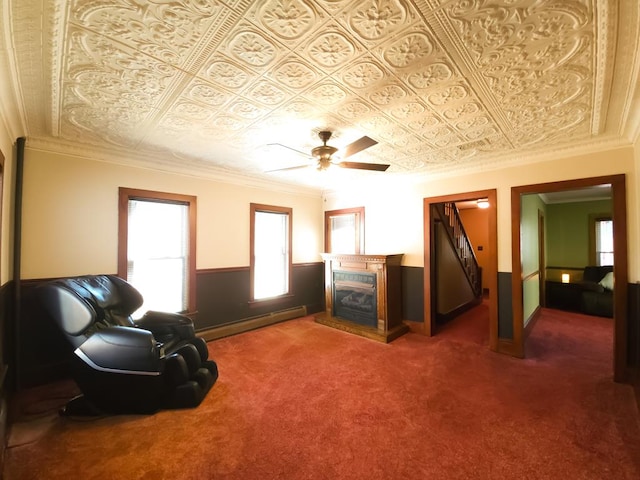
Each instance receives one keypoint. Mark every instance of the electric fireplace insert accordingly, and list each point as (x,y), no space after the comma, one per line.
(354,297)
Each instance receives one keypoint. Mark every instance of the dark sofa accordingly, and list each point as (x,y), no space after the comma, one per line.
(596,297)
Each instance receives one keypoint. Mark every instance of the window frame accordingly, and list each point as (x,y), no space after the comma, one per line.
(593,220)
(359,240)
(127,194)
(259,207)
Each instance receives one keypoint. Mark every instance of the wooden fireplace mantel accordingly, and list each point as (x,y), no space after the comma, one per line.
(388,294)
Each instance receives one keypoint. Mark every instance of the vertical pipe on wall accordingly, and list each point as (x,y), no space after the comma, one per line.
(17,240)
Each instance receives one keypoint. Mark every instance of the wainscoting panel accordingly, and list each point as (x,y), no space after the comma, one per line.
(223,295)
(413,293)
(505,308)
(633,334)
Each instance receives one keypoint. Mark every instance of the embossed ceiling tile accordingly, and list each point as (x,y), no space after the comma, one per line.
(495,32)
(175,122)
(226,73)
(332,48)
(471,122)
(424,123)
(555,88)
(251,47)
(385,153)
(393,135)
(439,131)
(266,92)
(298,109)
(294,73)
(373,20)
(532,120)
(327,93)
(448,96)
(373,123)
(476,133)
(412,49)
(411,164)
(363,74)
(226,123)
(115,67)
(287,20)
(410,108)
(206,93)
(247,110)
(409,143)
(539,60)
(461,110)
(114,129)
(430,74)
(353,110)
(388,95)
(191,111)
(447,141)
(167,31)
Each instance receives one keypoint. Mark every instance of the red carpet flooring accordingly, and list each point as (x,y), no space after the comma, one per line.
(300,400)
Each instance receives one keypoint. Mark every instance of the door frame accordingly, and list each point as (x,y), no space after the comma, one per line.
(619,215)
(490,276)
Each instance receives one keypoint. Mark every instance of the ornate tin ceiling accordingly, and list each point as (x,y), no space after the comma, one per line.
(205,86)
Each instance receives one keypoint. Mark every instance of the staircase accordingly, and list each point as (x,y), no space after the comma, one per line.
(447,213)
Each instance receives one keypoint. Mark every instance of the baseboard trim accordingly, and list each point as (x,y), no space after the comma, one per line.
(242,326)
(445,317)
(532,321)
(507,347)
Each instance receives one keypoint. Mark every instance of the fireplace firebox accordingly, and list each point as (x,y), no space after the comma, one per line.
(363,295)
(354,297)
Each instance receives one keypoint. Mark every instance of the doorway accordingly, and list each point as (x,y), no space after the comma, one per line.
(618,190)
(490,276)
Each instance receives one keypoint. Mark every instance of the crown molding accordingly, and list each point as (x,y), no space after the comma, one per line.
(161,162)
(12,115)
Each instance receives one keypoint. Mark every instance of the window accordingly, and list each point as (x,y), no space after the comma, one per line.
(156,248)
(604,241)
(600,239)
(344,230)
(270,268)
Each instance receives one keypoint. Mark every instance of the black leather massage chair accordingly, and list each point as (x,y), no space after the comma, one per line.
(123,365)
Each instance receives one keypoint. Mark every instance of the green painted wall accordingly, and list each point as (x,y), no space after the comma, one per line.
(530,206)
(567,230)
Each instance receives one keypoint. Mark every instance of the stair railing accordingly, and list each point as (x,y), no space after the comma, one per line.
(450,217)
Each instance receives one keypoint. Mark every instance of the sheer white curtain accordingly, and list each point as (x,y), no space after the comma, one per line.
(157,250)
(604,242)
(271,250)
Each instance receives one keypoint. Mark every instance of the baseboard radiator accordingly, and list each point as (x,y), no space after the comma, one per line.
(252,323)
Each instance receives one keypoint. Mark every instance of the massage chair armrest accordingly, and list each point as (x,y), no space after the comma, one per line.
(122,350)
(166,325)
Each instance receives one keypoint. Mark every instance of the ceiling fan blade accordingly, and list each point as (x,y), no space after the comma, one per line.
(289,148)
(358,146)
(378,167)
(288,168)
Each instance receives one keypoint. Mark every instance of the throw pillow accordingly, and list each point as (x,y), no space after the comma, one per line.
(607,281)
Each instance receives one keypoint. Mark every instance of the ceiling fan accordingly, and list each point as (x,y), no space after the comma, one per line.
(324,152)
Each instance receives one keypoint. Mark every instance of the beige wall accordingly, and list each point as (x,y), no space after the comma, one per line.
(70,215)
(400,206)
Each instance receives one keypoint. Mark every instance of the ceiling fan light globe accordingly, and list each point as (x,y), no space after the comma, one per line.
(323,151)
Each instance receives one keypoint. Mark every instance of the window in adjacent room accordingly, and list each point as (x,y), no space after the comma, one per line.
(344,230)
(601,230)
(156,251)
(270,264)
